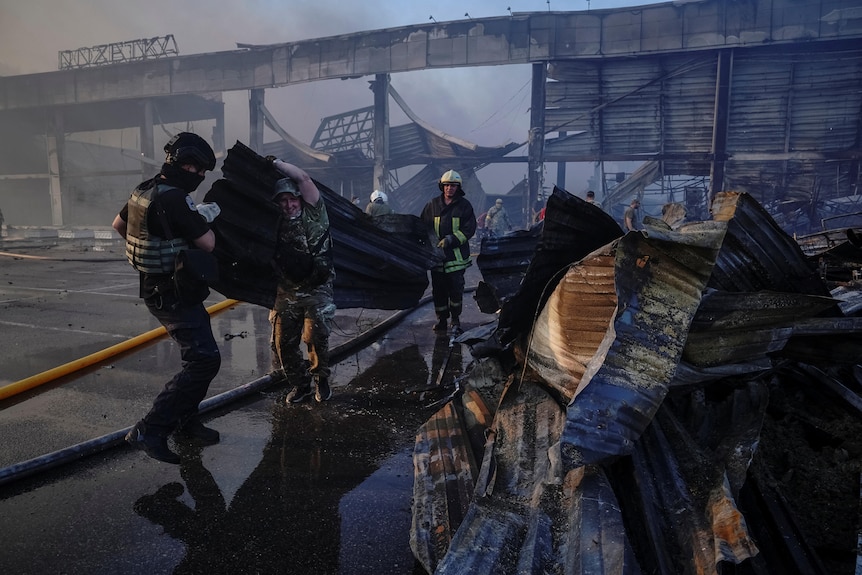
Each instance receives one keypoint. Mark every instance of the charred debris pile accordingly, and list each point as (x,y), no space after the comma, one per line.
(676,400)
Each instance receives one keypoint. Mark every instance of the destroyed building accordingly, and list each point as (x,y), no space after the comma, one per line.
(701,96)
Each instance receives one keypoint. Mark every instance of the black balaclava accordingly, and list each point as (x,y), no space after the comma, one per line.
(176,176)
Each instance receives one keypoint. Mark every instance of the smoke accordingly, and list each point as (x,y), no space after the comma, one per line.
(488,106)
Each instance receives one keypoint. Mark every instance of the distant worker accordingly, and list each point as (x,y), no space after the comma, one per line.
(591,197)
(453,222)
(497,220)
(159,219)
(630,216)
(304,301)
(378,205)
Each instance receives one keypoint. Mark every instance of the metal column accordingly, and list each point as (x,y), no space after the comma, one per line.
(55,140)
(218,133)
(255,119)
(720,120)
(561,168)
(148,141)
(536,139)
(381,131)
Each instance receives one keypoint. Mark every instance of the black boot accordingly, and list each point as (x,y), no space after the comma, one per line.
(299,394)
(456,325)
(156,446)
(441,323)
(301,390)
(322,390)
(194,429)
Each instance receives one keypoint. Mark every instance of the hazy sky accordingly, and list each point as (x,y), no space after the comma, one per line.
(487,105)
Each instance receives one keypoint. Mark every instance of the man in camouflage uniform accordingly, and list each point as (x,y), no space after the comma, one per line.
(497,220)
(304,304)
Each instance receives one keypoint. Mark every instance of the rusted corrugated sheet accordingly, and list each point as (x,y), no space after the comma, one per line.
(560,351)
(572,229)
(445,471)
(518,491)
(658,284)
(640,473)
(528,516)
(687,492)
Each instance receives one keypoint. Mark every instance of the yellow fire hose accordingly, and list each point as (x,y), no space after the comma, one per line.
(40,378)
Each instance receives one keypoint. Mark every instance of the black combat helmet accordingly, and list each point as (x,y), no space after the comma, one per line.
(189,148)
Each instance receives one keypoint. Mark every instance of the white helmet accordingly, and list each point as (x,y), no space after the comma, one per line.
(378,194)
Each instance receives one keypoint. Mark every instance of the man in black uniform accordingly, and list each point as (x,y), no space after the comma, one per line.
(159,220)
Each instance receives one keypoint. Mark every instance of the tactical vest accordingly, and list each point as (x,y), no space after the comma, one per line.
(147,252)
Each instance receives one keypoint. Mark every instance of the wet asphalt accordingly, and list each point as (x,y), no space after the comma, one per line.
(311,488)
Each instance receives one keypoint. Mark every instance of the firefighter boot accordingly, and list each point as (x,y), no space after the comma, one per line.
(456,325)
(441,323)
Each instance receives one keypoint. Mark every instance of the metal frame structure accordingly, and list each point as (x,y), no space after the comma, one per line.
(349,131)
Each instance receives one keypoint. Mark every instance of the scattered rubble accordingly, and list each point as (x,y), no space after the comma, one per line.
(676,400)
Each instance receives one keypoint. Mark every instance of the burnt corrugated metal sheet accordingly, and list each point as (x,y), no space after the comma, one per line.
(503,261)
(528,515)
(561,495)
(559,352)
(572,229)
(762,256)
(446,466)
(737,327)
(691,520)
(658,285)
(379,263)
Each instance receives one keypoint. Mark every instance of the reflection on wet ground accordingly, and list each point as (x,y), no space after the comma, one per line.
(313,488)
(301,489)
(326,469)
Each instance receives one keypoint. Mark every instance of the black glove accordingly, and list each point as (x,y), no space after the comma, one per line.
(447,242)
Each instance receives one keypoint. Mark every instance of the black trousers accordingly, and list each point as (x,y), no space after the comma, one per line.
(447,291)
(189,326)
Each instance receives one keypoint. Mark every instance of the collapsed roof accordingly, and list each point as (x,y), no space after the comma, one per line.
(349,170)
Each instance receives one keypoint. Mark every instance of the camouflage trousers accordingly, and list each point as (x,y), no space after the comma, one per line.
(302,318)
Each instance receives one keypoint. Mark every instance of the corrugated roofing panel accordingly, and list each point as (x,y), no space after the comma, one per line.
(689,106)
(763,257)
(631,118)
